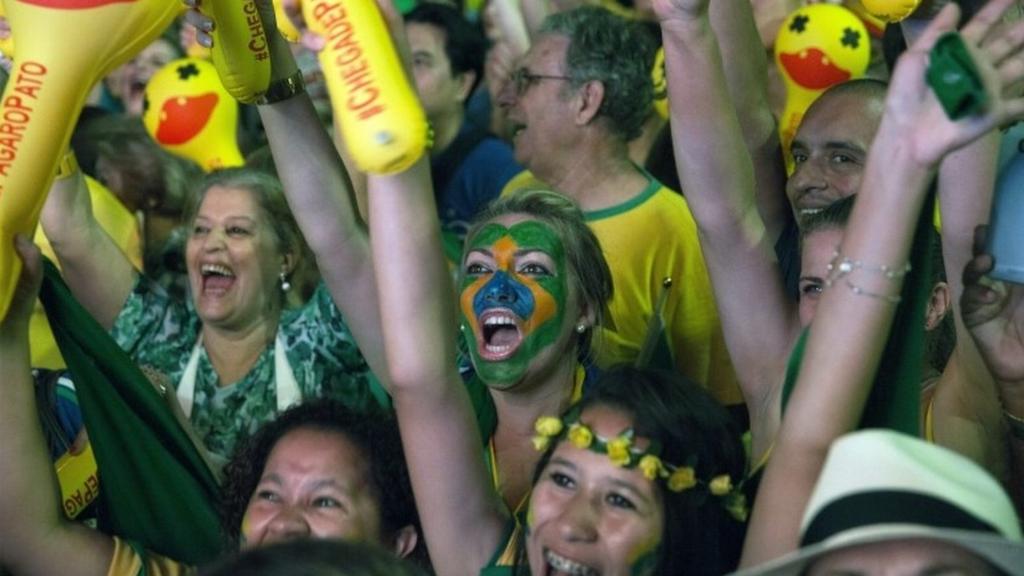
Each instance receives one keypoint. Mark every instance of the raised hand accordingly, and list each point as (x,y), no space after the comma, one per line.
(993,311)
(996,52)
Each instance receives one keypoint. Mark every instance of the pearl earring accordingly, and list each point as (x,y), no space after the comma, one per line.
(285,284)
(581,328)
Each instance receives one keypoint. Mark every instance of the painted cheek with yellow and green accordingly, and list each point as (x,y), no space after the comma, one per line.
(513,307)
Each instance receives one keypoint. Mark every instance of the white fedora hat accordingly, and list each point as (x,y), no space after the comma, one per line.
(879,486)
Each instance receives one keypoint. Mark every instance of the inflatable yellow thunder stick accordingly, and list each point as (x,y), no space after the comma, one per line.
(240,49)
(818,46)
(190,113)
(378,111)
(62,47)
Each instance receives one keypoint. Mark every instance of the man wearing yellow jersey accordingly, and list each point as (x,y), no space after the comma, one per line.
(578,97)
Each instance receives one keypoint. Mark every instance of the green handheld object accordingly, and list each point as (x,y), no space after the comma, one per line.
(954,78)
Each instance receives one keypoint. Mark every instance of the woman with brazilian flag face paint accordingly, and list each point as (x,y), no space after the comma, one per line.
(513,298)
(531,291)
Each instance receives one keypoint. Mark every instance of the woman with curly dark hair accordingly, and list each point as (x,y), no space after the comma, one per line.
(372,499)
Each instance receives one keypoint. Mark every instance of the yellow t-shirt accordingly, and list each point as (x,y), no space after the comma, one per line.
(121,225)
(646,239)
(128,562)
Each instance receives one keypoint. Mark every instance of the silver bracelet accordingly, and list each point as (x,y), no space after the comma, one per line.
(841,266)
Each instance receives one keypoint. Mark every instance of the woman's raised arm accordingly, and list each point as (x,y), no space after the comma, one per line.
(717,174)
(36,538)
(461,514)
(100,276)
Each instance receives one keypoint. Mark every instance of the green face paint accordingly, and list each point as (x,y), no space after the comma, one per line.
(512,305)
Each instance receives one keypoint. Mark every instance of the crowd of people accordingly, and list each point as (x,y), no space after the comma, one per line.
(580,336)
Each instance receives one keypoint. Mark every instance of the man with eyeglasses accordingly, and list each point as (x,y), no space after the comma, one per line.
(579,96)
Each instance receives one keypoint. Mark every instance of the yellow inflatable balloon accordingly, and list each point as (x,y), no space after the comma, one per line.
(190,113)
(891,10)
(63,47)
(240,50)
(378,111)
(818,46)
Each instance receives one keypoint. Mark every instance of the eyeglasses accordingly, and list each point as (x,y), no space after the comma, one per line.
(522,79)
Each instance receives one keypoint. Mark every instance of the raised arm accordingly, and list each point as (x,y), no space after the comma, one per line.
(717,174)
(460,512)
(36,538)
(965,404)
(745,64)
(851,325)
(993,311)
(99,274)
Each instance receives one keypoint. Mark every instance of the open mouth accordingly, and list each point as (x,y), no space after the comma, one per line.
(500,334)
(559,565)
(809,203)
(217,278)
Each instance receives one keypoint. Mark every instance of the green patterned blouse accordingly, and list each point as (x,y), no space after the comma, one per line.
(159,332)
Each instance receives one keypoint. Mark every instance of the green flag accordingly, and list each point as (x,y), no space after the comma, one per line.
(895,399)
(155,489)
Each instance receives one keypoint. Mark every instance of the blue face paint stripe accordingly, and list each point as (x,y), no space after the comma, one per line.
(503,291)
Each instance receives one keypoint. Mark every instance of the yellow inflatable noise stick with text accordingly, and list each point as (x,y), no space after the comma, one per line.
(190,113)
(378,111)
(818,46)
(62,47)
(240,49)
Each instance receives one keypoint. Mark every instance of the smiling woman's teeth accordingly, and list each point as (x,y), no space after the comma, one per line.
(499,321)
(211,269)
(567,566)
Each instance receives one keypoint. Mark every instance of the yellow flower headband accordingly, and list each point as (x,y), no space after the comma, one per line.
(623,453)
